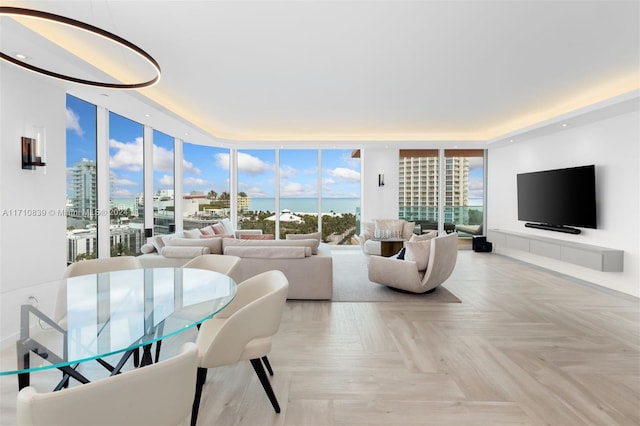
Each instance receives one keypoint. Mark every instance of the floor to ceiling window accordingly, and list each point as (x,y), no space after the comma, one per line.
(82,203)
(301,185)
(311,189)
(464,191)
(205,181)
(256,186)
(126,153)
(340,196)
(298,191)
(462,184)
(163,183)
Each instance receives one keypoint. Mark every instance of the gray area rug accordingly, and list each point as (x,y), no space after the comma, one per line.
(351,283)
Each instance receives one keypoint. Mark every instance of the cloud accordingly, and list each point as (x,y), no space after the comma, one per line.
(73,122)
(343,174)
(293,189)
(191,181)
(166,180)
(162,159)
(288,172)
(127,156)
(476,163)
(123,193)
(188,167)
(251,165)
(476,190)
(251,191)
(222,160)
(123,182)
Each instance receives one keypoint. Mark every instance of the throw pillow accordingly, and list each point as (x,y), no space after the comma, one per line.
(407,230)
(207,231)
(217,236)
(418,251)
(192,233)
(367,230)
(388,228)
(314,235)
(228,228)
(218,229)
(256,237)
(213,244)
(147,248)
(157,242)
(424,237)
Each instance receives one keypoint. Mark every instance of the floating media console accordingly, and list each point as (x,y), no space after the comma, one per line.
(587,255)
(557,228)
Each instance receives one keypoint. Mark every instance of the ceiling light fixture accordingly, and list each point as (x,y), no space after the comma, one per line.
(50,17)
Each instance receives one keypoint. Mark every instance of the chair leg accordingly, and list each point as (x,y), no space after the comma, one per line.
(257,366)
(265,360)
(201,378)
(158,344)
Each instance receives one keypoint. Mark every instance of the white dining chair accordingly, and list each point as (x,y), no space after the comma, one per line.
(91,266)
(243,331)
(158,394)
(86,267)
(225,264)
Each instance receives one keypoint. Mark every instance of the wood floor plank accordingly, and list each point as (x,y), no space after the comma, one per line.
(525,346)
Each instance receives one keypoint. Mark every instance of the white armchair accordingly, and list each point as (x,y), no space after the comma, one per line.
(427,264)
(399,228)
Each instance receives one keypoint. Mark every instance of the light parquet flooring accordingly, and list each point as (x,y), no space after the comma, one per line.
(525,347)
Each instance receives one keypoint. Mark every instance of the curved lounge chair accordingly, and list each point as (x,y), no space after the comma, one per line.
(440,259)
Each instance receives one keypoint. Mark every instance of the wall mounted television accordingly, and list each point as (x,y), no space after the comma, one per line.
(558,200)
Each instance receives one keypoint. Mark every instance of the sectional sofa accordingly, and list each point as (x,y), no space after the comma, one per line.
(303,258)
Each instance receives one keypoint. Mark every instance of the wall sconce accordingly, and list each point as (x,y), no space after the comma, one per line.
(381,179)
(33,150)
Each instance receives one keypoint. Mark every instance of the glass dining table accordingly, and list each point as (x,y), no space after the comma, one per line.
(121,312)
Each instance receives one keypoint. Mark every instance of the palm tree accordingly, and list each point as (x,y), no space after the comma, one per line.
(212,195)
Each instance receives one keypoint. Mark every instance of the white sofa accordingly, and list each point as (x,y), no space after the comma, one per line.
(382,228)
(305,261)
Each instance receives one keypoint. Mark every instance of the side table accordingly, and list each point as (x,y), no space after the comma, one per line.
(390,246)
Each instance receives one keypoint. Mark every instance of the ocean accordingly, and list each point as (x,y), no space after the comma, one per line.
(296,205)
(306,205)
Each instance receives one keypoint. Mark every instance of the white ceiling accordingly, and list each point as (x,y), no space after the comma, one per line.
(343,71)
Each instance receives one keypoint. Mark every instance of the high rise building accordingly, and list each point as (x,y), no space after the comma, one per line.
(418,188)
(83,185)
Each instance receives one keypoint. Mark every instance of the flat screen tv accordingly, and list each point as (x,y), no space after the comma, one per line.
(558,199)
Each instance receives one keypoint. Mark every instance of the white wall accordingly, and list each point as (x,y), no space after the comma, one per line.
(613,146)
(32,247)
(379,202)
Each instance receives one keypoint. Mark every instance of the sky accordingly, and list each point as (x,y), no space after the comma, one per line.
(206,168)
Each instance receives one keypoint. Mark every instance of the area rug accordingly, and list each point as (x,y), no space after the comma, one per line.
(351,283)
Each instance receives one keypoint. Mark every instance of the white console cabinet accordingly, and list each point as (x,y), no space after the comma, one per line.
(587,255)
